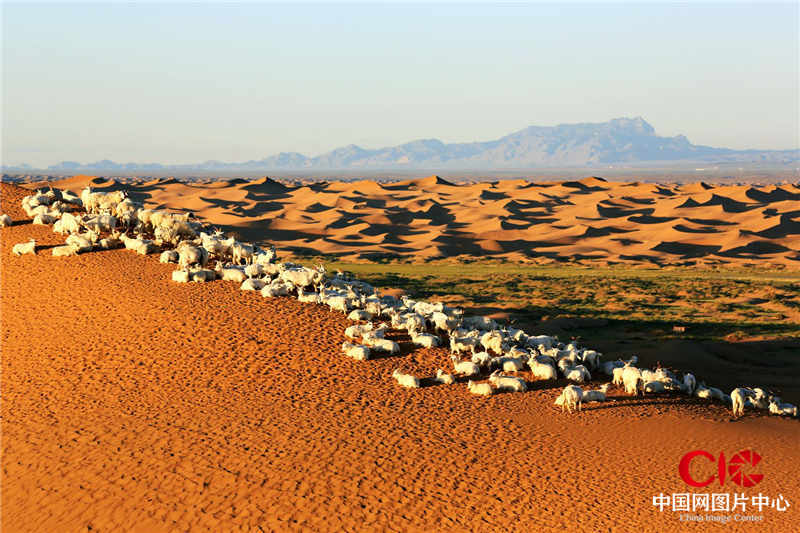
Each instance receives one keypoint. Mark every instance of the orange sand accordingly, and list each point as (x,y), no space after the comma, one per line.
(590,220)
(131,403)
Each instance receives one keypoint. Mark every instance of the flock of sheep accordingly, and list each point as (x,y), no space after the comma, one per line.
(482,352)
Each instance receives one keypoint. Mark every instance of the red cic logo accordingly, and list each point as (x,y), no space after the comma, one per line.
(738,469)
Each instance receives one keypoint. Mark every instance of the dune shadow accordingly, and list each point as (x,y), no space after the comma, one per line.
(787,226)
(686,250)
(607,211)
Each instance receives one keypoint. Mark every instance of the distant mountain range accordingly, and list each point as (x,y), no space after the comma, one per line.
(629,141)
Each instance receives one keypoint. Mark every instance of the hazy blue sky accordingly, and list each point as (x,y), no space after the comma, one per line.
(179,83)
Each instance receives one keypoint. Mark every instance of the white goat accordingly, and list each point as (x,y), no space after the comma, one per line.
(690,383)
(596,395)
(359,315)
(480,389)
(405,380)
(511,383)
(24,248)
(356,351)
(570,398)
(168,256)
(739,397)
(425,340)
(252,284)
(542,370)
(778,408)
(64,251)
(442,377)
(578,373)
(632,379)
(465,368)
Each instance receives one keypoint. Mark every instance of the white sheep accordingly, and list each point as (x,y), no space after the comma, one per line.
(405,380)
(189,254)
(308,297)
(275,289)
(608,367)
(465,368)
(481,359)
(356,351)
(414,323)
(373,306)
(778,408)
(147,247)
(201,275)
(43,219)
(510,364)
(654,387)
(544,342)
(359,315)
(690,382)
(511,383)
(64,251)
(71,198)
(131,243)
(68,223)
(5,220)
(242,252)
(493,341)
(82,242)
(357,331)
(382,345)
(739,397)
(424,340)
(254,270)
(460,345)
(716,393)
(617,374)
(266,257)
(339,303)
(703,392)
(596,395)
(180,276)
(591,358)
(444,378)
(101,223)
(110,242)
(24,248)
(578,373)
(542,370)
(632,379)
(480,389)
(215,244)
(570,398)
(443,322)
(253,284)
(168,256)
(230,273)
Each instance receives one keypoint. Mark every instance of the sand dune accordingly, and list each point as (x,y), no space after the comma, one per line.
(130,403)
(591,220)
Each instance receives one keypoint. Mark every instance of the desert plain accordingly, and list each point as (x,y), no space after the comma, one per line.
(132,403)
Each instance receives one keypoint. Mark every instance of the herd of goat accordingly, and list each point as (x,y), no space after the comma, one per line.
(491,352)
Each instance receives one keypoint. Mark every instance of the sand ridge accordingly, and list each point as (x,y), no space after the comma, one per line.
(131,403)
(590,221)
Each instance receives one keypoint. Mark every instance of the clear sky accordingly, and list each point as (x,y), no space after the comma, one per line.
(180,83)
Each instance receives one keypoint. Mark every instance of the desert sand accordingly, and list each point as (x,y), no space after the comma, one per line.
(131,403)
(591,221)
